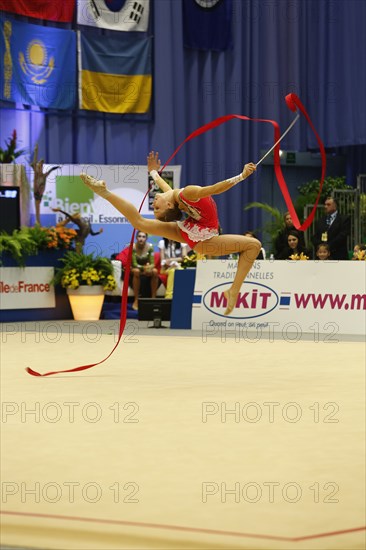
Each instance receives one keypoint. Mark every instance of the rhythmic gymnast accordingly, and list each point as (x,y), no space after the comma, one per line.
(199,229)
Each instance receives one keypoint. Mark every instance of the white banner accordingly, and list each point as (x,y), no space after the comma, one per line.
(27,288)
(116,15)
(292,296)
(66,191)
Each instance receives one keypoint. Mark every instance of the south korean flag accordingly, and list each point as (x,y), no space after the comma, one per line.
(116,15)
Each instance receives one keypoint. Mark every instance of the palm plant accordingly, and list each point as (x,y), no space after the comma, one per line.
(18,245)
(275,224)
(9,154)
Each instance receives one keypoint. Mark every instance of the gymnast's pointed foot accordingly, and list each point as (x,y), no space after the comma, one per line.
(98,186)
(231,301)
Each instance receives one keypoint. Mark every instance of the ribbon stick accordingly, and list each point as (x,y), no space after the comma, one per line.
(281,138)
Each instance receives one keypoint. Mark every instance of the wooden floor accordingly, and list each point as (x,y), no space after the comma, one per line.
(181,443)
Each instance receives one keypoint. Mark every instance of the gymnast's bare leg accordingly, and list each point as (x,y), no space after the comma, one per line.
(152,227)
(247,248)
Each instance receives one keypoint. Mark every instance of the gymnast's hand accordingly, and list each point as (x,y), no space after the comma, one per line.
(153,161)
(248,169)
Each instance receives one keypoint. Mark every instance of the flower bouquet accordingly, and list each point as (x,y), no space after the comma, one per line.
(301,256)
(84,269)
(191,259)
(361,255)
(57,237)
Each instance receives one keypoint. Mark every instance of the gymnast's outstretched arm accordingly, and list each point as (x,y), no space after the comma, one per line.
(153,165)
(195,192)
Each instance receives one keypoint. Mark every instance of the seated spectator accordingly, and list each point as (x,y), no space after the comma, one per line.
(294,246)
(120,261)
(359,252)
(142,266)
(171,256)
(333,229)
(262,252)
(323,252)
(281,243)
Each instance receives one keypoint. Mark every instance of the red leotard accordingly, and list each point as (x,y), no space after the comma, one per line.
(202,222)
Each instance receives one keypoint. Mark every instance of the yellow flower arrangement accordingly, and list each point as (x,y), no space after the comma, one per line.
(191,260)
(84,269)
(361,255)
(299,257)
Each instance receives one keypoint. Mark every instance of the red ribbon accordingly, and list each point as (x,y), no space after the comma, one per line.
(122,324)
(123,315)
(292,102)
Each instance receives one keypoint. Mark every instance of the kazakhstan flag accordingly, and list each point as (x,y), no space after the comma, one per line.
(115,73)
(38,65)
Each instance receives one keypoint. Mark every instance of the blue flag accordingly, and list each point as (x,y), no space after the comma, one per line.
(115,73)
(39,65)
(207,24)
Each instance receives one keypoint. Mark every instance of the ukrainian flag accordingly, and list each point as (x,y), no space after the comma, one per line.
(115,73)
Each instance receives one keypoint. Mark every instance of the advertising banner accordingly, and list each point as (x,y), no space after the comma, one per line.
(27,288)
(294,297)
(66,192)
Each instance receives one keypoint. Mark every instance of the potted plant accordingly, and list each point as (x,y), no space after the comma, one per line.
(30,241)
(9,154)
(18,245)
(274,225)
(190,261)
(86,277)
(52,238)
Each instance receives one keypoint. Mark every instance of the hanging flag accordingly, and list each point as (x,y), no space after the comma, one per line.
(116,15)
(115,73)
(207,24)
(41,9)
(39,65)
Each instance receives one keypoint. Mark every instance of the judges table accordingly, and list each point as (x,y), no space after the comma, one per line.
(288,297)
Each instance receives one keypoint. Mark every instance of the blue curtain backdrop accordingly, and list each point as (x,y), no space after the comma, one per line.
(315,48)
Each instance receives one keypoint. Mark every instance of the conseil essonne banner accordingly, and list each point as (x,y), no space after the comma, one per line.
(66,191)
